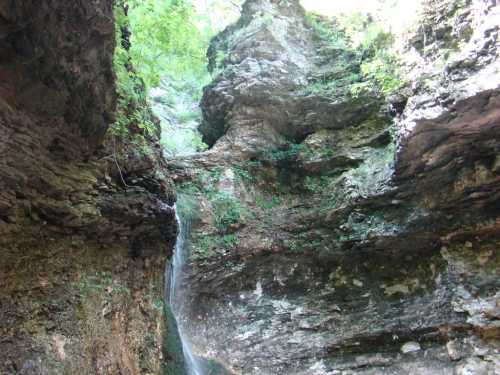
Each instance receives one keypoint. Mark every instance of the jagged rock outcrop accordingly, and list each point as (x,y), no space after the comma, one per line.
(364,244)
(258,102)
(453,109)
(82,255)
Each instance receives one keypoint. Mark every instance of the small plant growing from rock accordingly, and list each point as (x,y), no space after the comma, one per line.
(227,211)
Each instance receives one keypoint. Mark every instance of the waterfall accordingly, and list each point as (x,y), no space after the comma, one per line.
(173,274)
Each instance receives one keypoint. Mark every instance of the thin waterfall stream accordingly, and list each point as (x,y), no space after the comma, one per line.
(180,118)
(173,274)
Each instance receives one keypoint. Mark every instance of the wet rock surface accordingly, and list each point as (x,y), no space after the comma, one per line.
(82,255)
(338,240)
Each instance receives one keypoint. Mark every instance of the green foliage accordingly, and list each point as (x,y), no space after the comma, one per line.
(246,170)
(206,248)
(374,39)
(209,245)
(328,32)
(203,183)
(383,70)
(333,85)
(178,109)
(219,61)
(150,340)
(293,245)
(216,173)
(304,242)
(379,65)
(133,109)
(165,38)
(362,53)
(287,153)
(193,137)
(337,47)
(189,188)
(268,19)
(230,241)
(316,185)
(267,203)
(156,38)
(243,173)
(227,210)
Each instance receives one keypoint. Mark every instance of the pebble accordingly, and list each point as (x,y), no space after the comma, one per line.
(410,347)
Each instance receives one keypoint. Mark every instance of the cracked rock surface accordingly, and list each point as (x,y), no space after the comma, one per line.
(81,257)
(364,243)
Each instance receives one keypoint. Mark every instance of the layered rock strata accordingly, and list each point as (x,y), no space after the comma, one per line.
(83,234)
(331,238)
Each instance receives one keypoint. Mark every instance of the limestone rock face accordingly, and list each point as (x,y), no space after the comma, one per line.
(82,256)
(449,130)
(365,244)
(258,101)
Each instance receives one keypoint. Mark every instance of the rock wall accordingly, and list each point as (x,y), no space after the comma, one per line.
(82,255)
(258,101)
(330,238)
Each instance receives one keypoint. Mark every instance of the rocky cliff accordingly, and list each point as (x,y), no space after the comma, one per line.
(339,233)
(83,232)
(334,229)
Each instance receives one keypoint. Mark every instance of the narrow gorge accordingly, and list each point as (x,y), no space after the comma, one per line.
(249,188)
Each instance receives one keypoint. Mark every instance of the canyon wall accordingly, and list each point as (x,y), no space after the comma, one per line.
(335,233)
(84,233)
(331,232)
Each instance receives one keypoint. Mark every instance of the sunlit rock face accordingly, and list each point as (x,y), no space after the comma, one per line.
(269,56)
(81,258)
(449,130)
(370,244)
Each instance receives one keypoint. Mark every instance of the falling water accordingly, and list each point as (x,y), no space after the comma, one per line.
(192,364)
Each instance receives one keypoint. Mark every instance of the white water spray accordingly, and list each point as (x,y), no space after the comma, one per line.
(193,365)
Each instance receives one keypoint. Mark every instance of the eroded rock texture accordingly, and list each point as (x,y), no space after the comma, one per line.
(82,256)
(330,238)
(258,101)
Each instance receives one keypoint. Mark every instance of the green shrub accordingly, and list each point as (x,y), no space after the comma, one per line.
(383,71)
(206,247)
(286,153)
(230,241)
(210,245)
(328,31)
(133,108)
(362,53)
(227,210)
(247,169)
(316,185)
(243,173)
